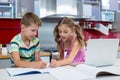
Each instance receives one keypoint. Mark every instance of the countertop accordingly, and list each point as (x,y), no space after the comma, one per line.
(42,54)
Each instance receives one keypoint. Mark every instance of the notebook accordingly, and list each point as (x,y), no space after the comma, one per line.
(101,52)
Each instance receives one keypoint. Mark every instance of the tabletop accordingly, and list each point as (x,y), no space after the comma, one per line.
(4,75)
(42,54)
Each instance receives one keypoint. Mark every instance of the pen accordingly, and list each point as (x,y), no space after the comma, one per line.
(50,56)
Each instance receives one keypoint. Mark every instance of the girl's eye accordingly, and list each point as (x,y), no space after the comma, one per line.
(65,32)
(60,31)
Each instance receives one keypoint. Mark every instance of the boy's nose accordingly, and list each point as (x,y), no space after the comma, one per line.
(35,33)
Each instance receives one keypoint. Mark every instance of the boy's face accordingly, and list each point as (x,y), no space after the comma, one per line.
(30,32)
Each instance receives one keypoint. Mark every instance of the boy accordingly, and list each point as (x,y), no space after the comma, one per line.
(25,47)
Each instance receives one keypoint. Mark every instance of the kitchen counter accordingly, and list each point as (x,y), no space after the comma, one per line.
(5,59)
(4,56)
(42,54)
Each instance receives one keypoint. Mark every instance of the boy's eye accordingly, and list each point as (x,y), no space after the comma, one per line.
(33,30)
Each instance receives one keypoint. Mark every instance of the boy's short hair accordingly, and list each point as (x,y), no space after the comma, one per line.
(30,18)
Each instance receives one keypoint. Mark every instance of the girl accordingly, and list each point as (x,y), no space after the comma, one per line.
(70,40)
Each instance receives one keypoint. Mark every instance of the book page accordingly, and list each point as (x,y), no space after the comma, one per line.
(61,73)
(111,69)
(97,71)
(24,71)
(88,70)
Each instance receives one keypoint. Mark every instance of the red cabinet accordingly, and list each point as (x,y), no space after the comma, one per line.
(90,32)
(8,29)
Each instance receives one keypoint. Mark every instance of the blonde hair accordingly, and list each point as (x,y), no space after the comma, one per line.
(30,18)
(71,24)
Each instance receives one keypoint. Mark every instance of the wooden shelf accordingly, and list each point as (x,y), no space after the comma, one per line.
(42,54)
(4,56)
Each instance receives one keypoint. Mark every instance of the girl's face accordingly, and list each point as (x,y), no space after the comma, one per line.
(30,32)
(65,32)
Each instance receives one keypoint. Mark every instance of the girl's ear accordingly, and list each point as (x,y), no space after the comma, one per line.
(73,33)
(73,30)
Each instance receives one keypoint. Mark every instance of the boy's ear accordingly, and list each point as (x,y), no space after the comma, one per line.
(22,26)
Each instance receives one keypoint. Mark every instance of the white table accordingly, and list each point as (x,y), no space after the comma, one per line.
(5,76)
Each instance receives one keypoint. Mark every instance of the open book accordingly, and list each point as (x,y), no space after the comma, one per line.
(97,71)
(25,71)
(83,71)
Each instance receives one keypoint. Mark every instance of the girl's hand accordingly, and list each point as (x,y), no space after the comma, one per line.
(53,63)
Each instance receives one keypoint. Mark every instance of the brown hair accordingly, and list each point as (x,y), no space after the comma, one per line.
(29,18)
(71,24)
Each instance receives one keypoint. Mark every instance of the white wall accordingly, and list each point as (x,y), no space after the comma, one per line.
(87,10)
(66,7)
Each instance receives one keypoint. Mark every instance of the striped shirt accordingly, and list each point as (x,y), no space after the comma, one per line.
(26,52)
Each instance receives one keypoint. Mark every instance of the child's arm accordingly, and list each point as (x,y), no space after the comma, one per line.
(69,60)
(61,52)
(37,56)
(19,63)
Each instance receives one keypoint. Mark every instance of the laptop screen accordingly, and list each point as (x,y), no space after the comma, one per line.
(101,52)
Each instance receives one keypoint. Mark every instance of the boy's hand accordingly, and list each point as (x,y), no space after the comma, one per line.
(53,63)
(42,64)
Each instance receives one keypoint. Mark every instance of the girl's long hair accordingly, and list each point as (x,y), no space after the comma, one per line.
(71,24)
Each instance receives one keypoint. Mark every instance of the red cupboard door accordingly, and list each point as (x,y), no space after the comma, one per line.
(7,35)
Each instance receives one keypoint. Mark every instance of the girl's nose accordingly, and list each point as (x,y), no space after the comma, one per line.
(62,34)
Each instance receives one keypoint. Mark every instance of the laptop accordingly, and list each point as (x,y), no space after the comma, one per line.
(101,52)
